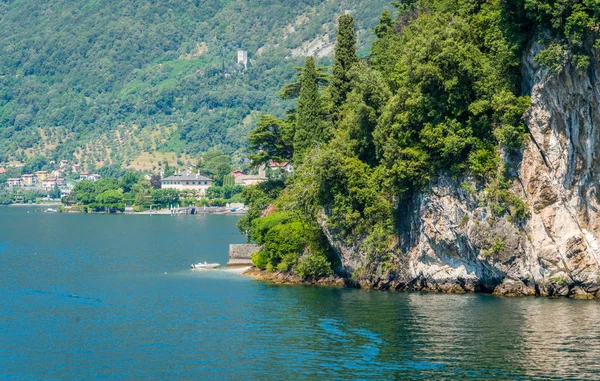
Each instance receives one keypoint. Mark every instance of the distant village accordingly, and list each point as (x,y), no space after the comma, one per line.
(49,180)
(184,181)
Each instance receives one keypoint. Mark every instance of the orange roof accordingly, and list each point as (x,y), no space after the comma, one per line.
(2,170)
(85,173)
(276,164)
(14,179)
(27,175)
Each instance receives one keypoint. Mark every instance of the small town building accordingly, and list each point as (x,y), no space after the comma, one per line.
(187,181)
(2,171)
(237,173)
(284,166)
(14,182)
(94,177)
(246,180)
(41,175)
(50,182)
(28,180)
(84,175)
(63,163)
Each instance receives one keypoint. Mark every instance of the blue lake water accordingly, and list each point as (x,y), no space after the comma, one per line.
(95,297)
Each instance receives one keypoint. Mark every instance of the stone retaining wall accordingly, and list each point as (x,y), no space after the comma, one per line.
(240,255)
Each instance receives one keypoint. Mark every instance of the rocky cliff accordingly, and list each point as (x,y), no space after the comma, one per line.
(450,240)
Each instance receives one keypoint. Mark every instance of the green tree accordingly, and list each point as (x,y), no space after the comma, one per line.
(129,180)
(109,197)
(229,180)
(386,47)
(272,139)
(168,171)
(165,197)
(310,124)
(216,164)
(345,57)
(55,193)
(84,192)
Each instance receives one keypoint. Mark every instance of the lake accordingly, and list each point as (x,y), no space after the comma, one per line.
(111,297)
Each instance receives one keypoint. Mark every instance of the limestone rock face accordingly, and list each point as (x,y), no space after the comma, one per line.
(448,240)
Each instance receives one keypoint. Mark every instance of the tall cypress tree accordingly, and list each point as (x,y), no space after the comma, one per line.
(345,57)
(310,128)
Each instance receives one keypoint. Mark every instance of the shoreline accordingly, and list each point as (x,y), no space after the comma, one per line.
(281,278)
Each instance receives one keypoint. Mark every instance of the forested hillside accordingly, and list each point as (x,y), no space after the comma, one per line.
(107,81)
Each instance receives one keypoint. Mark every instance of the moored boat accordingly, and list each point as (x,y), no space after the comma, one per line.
(205,265)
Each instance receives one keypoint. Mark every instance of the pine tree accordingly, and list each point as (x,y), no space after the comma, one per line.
(310,127)
(345,57)
(386,25)
(386,47)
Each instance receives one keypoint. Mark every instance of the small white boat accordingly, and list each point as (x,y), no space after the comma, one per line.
(50,210)
(205,265)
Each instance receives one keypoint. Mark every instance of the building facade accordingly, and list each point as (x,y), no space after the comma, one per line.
(14,182)
(243,58)
(28,180)
(285,166)
(187,181)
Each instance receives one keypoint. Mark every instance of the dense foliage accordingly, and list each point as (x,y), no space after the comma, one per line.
(104,81)
(439,94)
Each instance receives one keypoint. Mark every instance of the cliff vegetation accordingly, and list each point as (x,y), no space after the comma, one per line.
(440,96)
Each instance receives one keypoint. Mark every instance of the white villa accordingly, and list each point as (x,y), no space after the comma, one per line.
(183,181)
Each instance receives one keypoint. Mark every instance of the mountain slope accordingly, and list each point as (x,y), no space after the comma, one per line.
(107,81)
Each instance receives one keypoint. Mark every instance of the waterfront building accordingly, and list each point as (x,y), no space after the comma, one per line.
(187,180)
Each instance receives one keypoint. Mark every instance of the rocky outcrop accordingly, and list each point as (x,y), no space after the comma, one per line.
(449,240)
(280,277)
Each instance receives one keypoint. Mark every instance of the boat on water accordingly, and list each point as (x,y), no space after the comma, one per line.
(50,210)
(205,265)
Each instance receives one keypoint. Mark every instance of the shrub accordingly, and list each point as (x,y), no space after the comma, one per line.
(313,265)
(282,242)
(260,259)
(261,226)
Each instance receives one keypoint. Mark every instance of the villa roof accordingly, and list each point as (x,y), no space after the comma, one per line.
(186,177)
(14,179)
(27,175)
(276,164)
